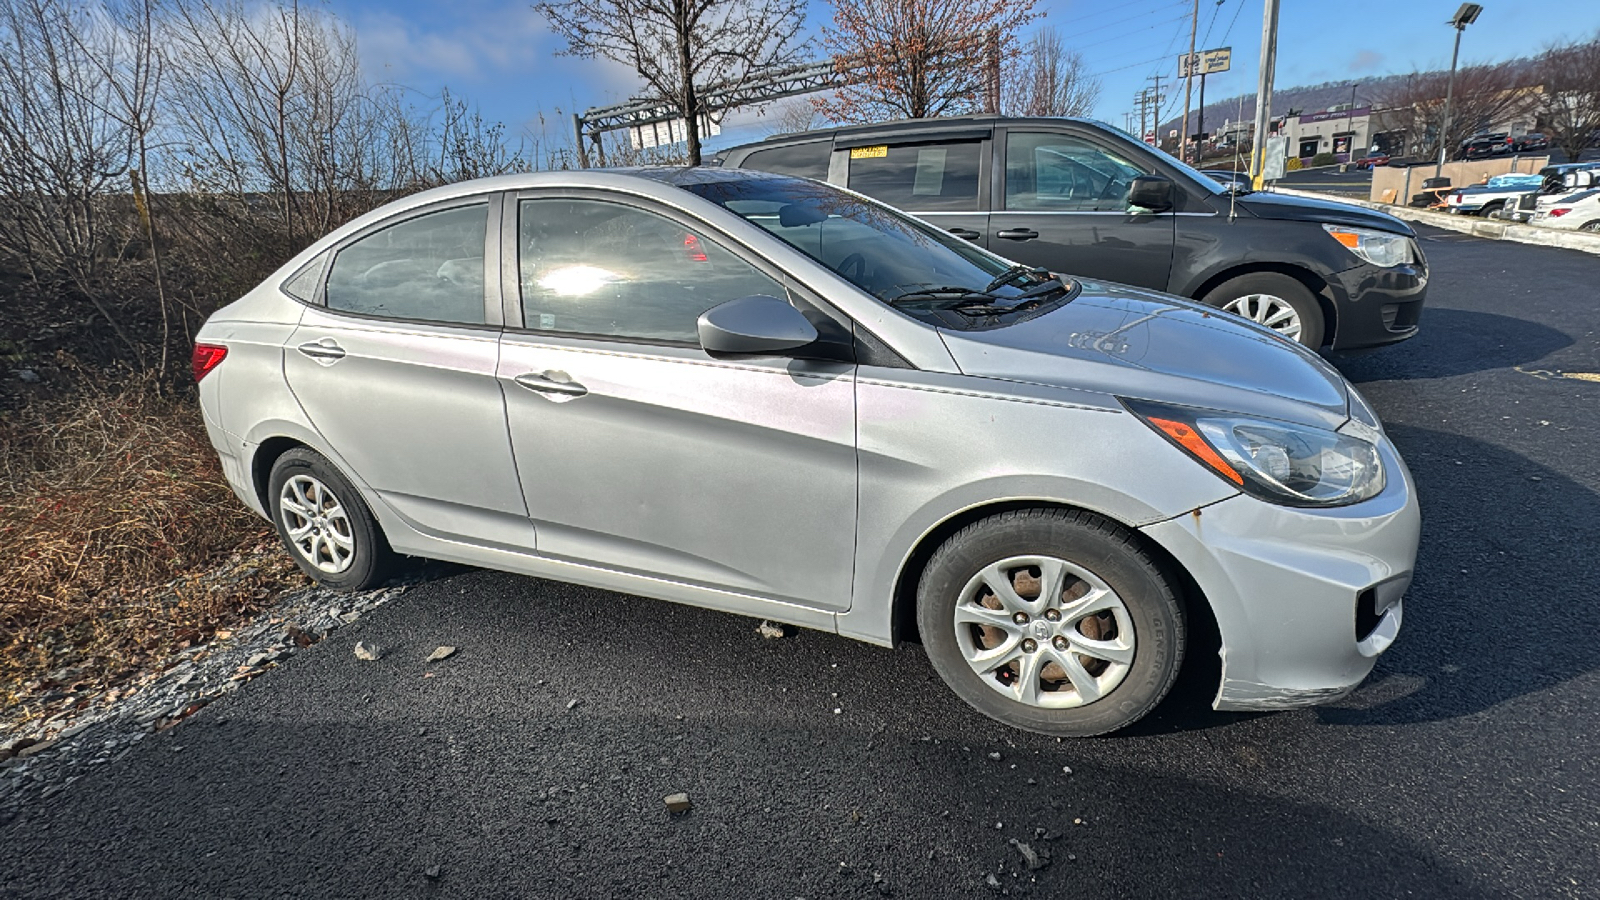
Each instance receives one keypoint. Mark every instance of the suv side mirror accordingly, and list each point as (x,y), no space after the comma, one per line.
(1152,192)
(754,326)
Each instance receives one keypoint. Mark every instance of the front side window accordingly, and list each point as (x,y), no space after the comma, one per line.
(919,177)
(1063,173)
(429,268)
(595,267)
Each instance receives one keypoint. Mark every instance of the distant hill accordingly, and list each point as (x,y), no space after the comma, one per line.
(1307,98)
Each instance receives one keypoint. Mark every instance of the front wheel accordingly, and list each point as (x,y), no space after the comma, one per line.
(1277,301)
(325,524)
(1051,621)
(1591,226)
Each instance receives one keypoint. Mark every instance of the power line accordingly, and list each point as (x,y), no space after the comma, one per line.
(1128,34)
(1148,12)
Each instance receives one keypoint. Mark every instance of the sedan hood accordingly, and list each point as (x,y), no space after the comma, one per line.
(1125,342)
(1306,209)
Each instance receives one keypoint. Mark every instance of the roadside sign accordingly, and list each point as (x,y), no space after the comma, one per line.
(1210,62)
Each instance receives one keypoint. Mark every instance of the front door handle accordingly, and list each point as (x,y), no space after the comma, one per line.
(967,233)
(1017,234)
(324,351)
(551,382)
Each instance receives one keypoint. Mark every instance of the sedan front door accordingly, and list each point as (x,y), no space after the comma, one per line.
(1064,206)
(640,453)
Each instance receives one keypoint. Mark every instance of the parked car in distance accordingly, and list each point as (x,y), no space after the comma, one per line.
(1377,159)
(1088,199)
(1230,179)
(1489,198)
(1533,140)
(1575,212)
(769,396)
(1479,146)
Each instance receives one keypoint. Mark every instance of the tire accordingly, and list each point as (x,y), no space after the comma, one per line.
(1116,601)
(1590,226)
(1277,301)
(1491,210)
(344,549)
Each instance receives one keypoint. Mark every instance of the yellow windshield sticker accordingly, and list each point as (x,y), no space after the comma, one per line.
(878,152)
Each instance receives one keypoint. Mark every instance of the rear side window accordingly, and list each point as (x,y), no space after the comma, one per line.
(599,268)
(429,267)
(809,160)
(919,177)
(1050,171)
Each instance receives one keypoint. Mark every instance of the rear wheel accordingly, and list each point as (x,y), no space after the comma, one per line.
(1491,210)
(1591,226)
(325,525)
(1277,301)
(1051,621)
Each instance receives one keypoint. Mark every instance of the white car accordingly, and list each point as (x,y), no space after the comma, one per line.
(1574,212)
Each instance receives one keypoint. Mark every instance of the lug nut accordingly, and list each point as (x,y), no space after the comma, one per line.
(1060,643)
(1020,618)
(1029,645)
(1053,615)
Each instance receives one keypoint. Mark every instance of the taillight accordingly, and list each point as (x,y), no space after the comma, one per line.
(691,246)
(1558,213)
(206,358)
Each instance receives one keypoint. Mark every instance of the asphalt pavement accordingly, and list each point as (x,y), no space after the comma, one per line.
(1468,766)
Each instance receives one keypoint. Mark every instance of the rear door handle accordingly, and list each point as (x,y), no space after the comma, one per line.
(1017,234)
(326,350)
(551,382)
(967,233)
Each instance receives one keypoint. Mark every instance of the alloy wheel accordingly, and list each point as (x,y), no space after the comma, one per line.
(1044,632)
(316,523)
(1265,309)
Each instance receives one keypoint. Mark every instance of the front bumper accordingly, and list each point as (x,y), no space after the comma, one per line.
(1377,305)
(1305,599)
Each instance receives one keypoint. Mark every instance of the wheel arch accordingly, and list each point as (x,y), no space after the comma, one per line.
(1319,287)
(265,457)
(1204,634)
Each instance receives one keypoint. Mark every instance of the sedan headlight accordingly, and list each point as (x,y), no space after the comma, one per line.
(1280,462)
(1380,248)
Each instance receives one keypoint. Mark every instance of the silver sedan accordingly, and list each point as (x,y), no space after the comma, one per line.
(769,396)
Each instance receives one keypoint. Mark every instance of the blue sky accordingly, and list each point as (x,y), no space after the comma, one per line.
(500,54)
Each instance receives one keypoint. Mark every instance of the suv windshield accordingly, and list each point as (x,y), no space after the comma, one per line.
(885,253)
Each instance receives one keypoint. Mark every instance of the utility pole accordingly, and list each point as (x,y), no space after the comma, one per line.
(1153,98)
(1188,86)
(1269,61)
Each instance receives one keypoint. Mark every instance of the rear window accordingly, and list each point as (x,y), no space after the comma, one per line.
(919,177)
(808,160)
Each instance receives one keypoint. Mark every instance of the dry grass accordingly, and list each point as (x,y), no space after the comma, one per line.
(112,507)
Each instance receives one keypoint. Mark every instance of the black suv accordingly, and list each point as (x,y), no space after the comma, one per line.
(1086,199)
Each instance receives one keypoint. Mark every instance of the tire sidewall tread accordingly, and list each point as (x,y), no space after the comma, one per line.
(373,558)
(1313,326)
(1087,540)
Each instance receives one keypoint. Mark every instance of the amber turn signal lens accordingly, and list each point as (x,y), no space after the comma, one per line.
(1190,440)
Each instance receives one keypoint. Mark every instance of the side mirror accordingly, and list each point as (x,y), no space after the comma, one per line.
(1152,192)
(754,326)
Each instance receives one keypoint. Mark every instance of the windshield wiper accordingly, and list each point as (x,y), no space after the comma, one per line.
(1012,274)
(956,296)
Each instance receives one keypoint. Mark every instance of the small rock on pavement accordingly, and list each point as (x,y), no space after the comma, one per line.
(432,872)
(573,703)
(368,652)
(992,882)
(441,653)
(770,630)
(995,756)
(1033,859)
(677,803)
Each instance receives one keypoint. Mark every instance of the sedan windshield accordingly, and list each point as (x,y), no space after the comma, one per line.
(885,253)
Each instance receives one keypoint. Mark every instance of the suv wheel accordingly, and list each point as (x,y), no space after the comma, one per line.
(1051,620)
(1277,301)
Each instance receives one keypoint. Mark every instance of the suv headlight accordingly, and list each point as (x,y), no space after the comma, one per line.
(1280,462)
(1381,248)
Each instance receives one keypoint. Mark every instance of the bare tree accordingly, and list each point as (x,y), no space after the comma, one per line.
(682,47)
(1048,80)
(59,152)
(1570,107)
(919,58)
(1483,96)
(792,116)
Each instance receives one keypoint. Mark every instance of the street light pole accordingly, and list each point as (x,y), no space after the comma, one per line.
(1269,61)
(1466,15)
